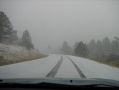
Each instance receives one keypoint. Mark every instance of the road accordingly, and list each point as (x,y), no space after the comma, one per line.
(59,66)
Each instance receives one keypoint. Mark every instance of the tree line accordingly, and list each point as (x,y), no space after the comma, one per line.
(99,49)
(9,36)
(105,50)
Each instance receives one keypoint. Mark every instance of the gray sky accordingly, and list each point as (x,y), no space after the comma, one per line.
(51,22)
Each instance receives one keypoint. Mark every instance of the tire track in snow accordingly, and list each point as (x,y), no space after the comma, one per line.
(77,68)
(54,71)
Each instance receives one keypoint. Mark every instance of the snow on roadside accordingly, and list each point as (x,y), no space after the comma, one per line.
(31,69)
(17,53)
(11,52)
(94,69)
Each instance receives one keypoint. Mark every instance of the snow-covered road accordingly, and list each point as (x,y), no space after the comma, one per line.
(59,66)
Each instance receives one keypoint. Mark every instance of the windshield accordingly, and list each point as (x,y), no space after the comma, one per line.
(68,39)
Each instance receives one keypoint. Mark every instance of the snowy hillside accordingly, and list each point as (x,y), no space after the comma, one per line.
(14,53)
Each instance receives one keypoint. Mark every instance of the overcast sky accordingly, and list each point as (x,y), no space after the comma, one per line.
(51,22)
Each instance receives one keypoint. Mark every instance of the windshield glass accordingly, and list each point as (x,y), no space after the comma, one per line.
(59,39)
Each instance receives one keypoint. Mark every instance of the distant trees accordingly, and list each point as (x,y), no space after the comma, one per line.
(7,34)
(105,50)
(66,49)
(92,48)
(98,49)
(101,50)
(26,40)
(81,49)
(115,45)
(106,43)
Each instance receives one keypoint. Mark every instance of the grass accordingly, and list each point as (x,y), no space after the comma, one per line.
(111,63)
(31,57)
(114,63)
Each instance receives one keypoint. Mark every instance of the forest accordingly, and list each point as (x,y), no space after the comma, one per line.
(13,48)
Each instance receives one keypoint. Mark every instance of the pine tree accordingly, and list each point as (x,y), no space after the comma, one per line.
(26,40)
(106,46)
(99,50)
(92,48)
(81,49)
(66,49)
(6,29)
(115,46)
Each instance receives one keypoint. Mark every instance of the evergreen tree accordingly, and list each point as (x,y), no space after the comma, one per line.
(92,48)
(66,49)
(26,40)
(81,49)
(99,50)
(115,46)
(106,45)
(6,29)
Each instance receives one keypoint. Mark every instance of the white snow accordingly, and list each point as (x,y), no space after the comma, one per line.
(16,52)
(41,67)
(12,52)
(29,69)
(94,69)
(67,70)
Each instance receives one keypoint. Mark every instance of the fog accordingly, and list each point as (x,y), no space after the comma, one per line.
(51,22)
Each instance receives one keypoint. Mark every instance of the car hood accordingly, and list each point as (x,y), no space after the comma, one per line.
(63,81)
